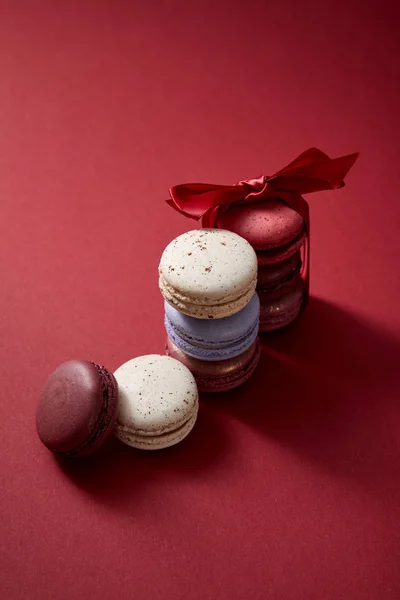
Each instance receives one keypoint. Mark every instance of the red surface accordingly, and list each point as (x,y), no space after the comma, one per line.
(287,488)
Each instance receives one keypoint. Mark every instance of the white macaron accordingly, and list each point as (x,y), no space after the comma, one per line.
(158,402)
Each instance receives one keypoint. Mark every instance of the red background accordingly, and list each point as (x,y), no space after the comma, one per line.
(288,488)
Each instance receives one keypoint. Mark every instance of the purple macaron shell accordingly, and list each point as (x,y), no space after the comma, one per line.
(77,408)
(281,307)
(218,339)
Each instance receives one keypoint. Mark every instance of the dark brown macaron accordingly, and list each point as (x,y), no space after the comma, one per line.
(77,408)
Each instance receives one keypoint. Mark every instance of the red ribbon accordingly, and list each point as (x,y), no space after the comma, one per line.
(312,171)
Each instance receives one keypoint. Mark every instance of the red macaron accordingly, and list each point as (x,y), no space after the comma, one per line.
(275,230)
(279,307)
(77,408)
(274,277)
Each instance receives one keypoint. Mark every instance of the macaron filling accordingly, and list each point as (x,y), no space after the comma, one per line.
(174,296)
(126,433)
(212,311)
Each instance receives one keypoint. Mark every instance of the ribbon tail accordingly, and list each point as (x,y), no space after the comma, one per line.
(210,218)
(171,203)
(326,175)
(315,164)
(305,159)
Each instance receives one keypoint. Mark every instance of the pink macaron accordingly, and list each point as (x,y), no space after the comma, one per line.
(219,375)
(275,230)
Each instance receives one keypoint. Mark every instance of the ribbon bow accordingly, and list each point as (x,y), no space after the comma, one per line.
(312,171)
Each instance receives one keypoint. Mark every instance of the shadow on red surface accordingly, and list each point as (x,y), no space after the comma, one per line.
(117,472)
(326,388)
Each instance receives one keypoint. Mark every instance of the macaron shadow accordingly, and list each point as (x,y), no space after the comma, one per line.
(326,388)
(117,473)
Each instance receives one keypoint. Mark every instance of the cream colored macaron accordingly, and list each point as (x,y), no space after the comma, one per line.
(208,273)
(158,402)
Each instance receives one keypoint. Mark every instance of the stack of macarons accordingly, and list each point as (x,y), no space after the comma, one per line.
(208,279)
(277,234)
(151,402)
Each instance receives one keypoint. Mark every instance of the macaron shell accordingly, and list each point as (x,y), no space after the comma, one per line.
(218,333)
(277,255)
(207,369)
(207,267)
(265,225)
(271,275)
(157,395)
(230,382)
(215,353)
(280,309)
(157,442)
(201,311)
(77,408)
(221,375)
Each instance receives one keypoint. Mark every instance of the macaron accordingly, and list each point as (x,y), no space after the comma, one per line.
(221,375)
(282,306)
(275,230)
(208,273)
(276,276)
(158,402)
(220,339)
(77,408)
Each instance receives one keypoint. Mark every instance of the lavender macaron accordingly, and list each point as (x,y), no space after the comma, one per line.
(219,339)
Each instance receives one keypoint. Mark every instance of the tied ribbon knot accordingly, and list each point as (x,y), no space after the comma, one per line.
(312,171)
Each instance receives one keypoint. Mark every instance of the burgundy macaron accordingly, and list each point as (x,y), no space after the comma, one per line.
(281,292)
(219,375)
(280,307)
(275,230)
(277,276)
(77,408)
